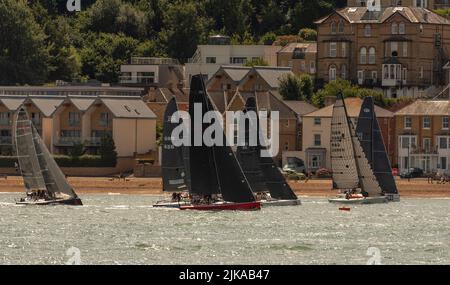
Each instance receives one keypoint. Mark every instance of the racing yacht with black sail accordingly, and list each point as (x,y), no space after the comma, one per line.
(268,184)
(43,179)
(217,181)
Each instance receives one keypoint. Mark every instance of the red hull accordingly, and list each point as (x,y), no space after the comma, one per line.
(251,206)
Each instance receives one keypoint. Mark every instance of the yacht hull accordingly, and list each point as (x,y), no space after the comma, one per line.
(280,203)
(69,202)
(359,201)
(251,206)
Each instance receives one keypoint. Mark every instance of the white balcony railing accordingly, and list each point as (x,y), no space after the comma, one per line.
(137,80)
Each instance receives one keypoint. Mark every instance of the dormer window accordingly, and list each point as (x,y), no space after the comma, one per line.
(368,31)
(401,29)
(394,28)
(299,53)
(341,27)
(333,28)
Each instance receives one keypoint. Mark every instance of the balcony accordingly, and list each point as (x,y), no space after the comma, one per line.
(68,141)
(5,140)
(424,151)
(153,61)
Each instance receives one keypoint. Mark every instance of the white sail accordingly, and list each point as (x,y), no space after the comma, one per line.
(343,163)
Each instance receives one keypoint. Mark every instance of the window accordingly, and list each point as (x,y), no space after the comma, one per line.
(374,76)
(443,163)
(421,72)
(290,63)
(317,140)
(315,161)
(126,76)
(211,60)
(445,123)
(427,144)
(312,67)
(36,118)
(70,134)
(360,77)
(303,66)
(317,121)
(238,60)
(443,143)
(344,49)
(372,55)
(104,120)
(333,28)
(405,49)
(146,77)
(363,56)
(74,118)
(333,49)
(367,30)
(394,28)
(332,73)
(408,142)
(405,75)
(4,118)
(426,122)
(408,122)
(401,28)
(344,71)
(341,27)
(394,49)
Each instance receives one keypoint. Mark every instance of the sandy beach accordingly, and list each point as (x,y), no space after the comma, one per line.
(153,186)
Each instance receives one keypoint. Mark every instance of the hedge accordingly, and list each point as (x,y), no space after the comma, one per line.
(66,161)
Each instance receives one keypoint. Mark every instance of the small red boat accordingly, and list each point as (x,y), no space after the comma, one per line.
(224,206)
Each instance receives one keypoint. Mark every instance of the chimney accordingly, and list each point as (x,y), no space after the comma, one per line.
(329,100)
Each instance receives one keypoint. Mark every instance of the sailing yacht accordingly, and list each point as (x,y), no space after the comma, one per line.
(352,171)
(217,181)
(44,181)
(174,171)
(268,184)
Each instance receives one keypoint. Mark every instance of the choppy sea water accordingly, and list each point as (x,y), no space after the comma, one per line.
(123,229)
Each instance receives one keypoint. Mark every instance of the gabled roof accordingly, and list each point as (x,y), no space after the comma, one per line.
(82,104)
(47,105)
(236,73)
(426,107)
(271,75)
(166,94)
(12,104)
(301,108)
(353,106)
(128,108)
(356,15)
(219,101)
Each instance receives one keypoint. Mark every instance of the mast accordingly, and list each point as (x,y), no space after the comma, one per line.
(26,153)
(173,161)
(369,132)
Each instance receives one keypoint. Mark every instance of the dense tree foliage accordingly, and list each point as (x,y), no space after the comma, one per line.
(42,42)
(294,87)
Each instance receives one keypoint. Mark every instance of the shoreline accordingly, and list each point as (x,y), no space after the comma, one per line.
(418,188)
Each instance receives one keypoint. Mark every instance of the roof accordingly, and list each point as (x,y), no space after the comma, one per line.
(353,106)
(236,73)
(301,108)
(219,101)
(289,48)
(12,103)
(46,105)
(82,104)
(412,14)
(426,107)
(128,109)
(271,75)
(166,94)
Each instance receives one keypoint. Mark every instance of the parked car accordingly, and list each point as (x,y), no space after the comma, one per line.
(294,164)
(412,173)
(323,173)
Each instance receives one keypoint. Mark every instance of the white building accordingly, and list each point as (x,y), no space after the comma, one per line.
(209,58)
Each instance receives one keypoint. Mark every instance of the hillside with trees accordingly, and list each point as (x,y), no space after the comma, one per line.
(42,42)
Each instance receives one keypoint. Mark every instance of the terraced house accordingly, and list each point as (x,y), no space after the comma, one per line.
(69,116)
(423,133)
(400,50)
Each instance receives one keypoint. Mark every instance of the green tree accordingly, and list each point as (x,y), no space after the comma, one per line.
(24,54)
(256,62)
(306,87)
(269,38)
(309,35)
(108,151)
(102,56)
(291,87)
(184,28)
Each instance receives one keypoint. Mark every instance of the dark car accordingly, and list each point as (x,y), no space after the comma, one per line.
(412,173)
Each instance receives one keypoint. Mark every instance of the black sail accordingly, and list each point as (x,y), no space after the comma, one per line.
(202,168)
(249,156)
(219,163)
(369,132)
(274,180)
(173,169)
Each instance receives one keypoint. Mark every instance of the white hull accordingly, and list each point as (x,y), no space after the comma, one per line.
(280,203)
(360,201)
(393,197)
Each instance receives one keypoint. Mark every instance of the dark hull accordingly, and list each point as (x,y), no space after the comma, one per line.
(69,202)
(251,206)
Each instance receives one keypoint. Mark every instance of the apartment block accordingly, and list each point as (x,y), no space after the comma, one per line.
(423,135)
(400,51)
